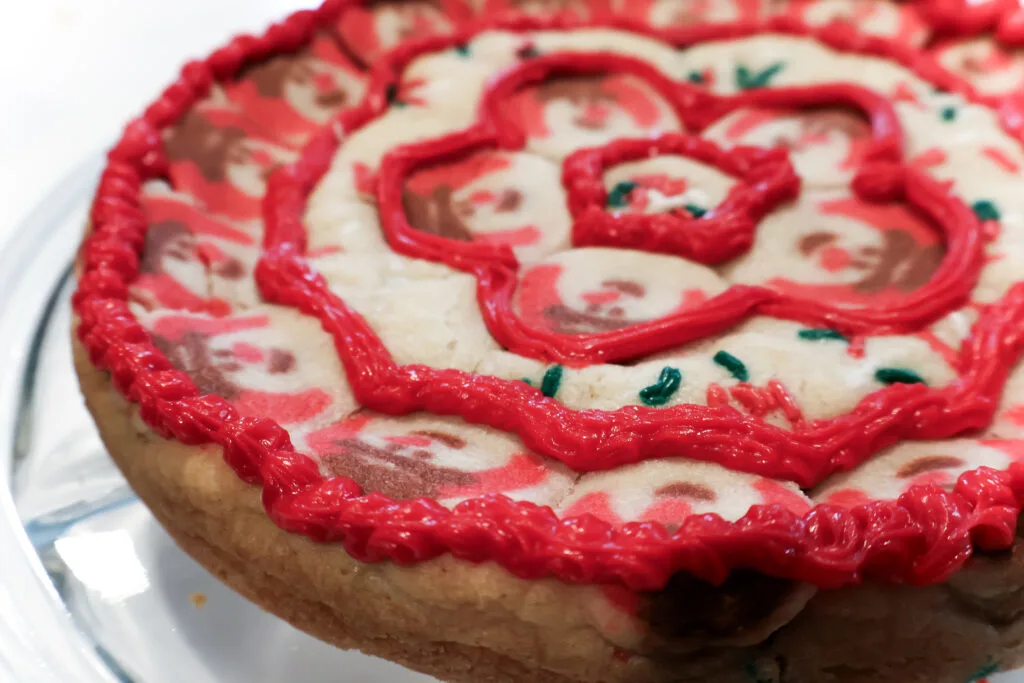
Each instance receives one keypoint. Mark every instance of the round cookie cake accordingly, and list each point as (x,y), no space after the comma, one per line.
(616,341)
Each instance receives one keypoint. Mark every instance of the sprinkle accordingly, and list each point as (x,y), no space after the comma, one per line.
(733,364)
(463,50)
(552,380)
(695,77)
(745,80)
(617,197)
(391,95)
(948,113)
(898,376)
(986,210)
(528,382)
(821,335)
(659,393)
(984,672)
(695,211)
(198,600)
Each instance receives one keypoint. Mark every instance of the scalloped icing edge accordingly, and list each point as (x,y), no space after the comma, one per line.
(922,537)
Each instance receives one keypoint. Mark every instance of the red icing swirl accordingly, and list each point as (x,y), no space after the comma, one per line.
(767,178)
(922,537)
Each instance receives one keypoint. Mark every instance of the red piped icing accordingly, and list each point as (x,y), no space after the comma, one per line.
(767,178)
(964,17)
(923,536)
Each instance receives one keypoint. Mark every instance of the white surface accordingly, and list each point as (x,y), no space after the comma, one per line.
(72,72)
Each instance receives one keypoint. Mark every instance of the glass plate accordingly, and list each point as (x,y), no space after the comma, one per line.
(91,589)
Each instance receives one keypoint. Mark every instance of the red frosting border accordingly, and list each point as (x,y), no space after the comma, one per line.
(599,440)
(765,180)
(968,18)
(922,537)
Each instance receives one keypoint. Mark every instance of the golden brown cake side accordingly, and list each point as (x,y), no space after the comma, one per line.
(462,622)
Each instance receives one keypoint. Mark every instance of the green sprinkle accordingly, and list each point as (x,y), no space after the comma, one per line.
(821,335)
(745,80)
(948,113)
(984,672)
(528,382)
(733,364)
(659,393)
(898,376)
(391,96)
(986,210)
(463,50)
(742,77)
(695,211)
(695,77)
(552,380)
(617,197)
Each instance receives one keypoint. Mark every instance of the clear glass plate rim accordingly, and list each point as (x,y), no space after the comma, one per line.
(38,641)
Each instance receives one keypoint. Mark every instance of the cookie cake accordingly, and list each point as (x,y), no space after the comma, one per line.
(568,341)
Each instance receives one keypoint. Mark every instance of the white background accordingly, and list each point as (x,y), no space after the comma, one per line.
(72,72)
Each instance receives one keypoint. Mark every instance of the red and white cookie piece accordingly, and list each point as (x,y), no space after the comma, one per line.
(836,247)
(371,29)
(594,290)
(688,12)
(219,158)
(990,67)
(290,97)
(563,115)
(669,491)
(501,198)
(266,361)
(826,146)
(898,21)
(938,464)
(436,458)
(192,261)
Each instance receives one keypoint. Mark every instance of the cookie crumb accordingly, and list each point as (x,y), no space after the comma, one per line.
(198,600)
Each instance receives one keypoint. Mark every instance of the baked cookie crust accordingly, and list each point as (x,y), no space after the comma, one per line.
(465,623)
(194,294)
